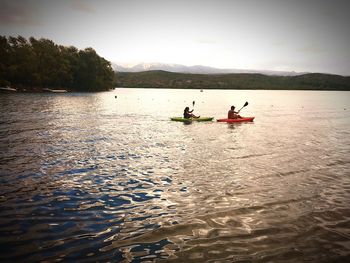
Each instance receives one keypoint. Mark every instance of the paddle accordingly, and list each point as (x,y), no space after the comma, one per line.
(193,102)
(245,104)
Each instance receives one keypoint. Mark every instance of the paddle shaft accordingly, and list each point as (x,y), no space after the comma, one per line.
(245,104)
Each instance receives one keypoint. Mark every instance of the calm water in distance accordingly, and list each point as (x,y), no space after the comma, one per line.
(90,177)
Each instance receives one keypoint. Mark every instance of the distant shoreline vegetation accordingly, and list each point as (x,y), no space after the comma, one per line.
(39,65)
(164,79)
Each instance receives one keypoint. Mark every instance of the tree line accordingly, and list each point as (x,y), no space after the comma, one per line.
(36,64)
(163,79)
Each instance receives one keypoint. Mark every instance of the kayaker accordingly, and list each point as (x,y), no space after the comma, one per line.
(188,114)
(232,114)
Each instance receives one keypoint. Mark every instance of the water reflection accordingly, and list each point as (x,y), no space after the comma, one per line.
(91,176)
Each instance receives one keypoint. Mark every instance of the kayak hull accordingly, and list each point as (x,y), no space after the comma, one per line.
(181,119)
(244,119)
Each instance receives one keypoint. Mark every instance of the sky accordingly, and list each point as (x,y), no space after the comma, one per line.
(288,35)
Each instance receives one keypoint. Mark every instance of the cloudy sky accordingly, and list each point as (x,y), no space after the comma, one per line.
(292,35)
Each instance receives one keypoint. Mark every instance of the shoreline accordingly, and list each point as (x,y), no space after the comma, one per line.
(235,81)
(59,91)
(204,89)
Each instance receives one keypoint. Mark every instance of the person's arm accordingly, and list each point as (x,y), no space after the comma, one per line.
(190,111)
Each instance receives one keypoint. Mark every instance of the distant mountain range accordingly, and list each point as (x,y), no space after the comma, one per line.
(198,69)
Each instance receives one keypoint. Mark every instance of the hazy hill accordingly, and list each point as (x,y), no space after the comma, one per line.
(164,79)
(198,69)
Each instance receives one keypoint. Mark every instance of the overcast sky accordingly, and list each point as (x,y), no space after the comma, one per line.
(292,35)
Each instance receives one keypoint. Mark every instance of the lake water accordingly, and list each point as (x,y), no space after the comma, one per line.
(90,177)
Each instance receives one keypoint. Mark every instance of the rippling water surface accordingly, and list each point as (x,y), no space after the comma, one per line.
(91,177)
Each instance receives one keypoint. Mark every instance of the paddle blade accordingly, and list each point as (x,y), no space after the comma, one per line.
(193,102)
(245,104)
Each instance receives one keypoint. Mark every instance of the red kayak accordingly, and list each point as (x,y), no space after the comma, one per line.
(244,119)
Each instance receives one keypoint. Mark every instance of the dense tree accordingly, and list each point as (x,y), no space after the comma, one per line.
(93,72)
(40,63)
(4,61)
(20,61)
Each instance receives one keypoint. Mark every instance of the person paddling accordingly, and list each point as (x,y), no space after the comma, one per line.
(232,114)
(188,114)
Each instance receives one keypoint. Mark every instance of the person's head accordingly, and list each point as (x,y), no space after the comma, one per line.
(187,109)
(233,107)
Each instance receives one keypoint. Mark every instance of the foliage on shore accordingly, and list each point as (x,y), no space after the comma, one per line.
(37,64)
(163,79)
